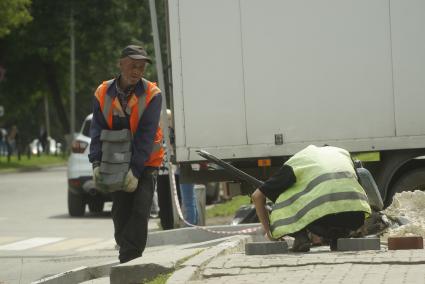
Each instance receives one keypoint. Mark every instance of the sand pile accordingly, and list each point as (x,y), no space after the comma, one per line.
(407,209)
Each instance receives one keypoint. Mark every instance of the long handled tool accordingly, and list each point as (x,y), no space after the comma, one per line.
(231,169)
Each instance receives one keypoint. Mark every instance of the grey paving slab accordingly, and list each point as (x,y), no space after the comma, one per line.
(357,244)
(264,248)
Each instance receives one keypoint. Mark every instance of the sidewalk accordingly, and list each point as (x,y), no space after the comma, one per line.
(224,261)
(318,266)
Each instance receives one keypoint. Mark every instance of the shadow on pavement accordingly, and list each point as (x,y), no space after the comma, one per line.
(102,215)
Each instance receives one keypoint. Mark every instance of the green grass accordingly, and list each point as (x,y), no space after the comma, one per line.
(160,279)
(33,163)
(228,208)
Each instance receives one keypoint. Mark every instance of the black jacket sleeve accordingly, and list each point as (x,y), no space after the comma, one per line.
(278,183)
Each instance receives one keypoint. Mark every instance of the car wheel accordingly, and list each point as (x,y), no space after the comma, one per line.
(96,206)
(76,204)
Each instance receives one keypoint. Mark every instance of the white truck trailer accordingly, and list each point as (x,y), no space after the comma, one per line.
(255,80)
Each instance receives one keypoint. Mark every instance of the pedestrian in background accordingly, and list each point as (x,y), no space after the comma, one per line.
(3,143)
(315,192)
(128,103)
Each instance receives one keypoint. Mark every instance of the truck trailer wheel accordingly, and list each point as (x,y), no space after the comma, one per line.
(76,205)
(409,181)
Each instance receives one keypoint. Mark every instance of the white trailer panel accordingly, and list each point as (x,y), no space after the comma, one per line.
(212,90)
(344,72)
(408,37)
(317,70)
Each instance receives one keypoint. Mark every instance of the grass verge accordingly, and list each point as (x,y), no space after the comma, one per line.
(228,208)
(160,279)
(33,163)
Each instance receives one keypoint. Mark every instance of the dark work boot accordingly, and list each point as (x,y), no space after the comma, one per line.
(301,243)
(333,244)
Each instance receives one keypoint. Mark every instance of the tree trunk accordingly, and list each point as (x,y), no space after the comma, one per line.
(53,86)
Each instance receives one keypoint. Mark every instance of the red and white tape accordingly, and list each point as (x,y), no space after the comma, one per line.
(180,214)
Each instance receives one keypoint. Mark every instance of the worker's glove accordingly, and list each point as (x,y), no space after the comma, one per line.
(96,175)
(130,182)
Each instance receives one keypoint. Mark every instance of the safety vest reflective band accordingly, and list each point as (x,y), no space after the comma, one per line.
(319,190)
(111,106)
(312,185)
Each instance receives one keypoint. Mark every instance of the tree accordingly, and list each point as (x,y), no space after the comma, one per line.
(37,57)
(13,13)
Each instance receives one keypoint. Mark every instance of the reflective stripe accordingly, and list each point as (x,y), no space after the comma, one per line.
(316,203)
(156,147)
(141,105)
(315,182)
(107,102)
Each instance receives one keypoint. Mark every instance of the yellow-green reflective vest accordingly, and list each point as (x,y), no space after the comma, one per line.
(326,183)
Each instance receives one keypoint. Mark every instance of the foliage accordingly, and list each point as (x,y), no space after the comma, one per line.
(13,13)
(228,208)
(37,58)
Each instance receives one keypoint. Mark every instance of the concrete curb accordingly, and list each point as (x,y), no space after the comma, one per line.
(195,235)
(148,267)
(190,269)
(79,274)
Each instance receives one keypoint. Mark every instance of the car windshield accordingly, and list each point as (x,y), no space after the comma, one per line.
(86,128)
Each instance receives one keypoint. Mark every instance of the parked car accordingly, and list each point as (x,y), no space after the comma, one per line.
(53,146)
(81,187)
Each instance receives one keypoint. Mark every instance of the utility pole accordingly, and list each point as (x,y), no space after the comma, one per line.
(72,79)
(47,117)
(164,120)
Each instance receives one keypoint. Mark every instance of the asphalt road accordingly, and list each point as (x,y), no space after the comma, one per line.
(38,238)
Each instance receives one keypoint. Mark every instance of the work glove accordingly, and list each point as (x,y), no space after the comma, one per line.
(130,182)
(96,175)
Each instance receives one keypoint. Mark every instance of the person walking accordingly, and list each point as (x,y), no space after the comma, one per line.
(126,148)
(316,191)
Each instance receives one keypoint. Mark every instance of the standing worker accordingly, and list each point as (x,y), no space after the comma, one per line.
(316,191)
(126,148)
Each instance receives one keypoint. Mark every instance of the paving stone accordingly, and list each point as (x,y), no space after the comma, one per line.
(396,243)
(347,244)
(262,248)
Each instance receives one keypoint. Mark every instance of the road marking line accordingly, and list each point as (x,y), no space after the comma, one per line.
(6,240)
(29,243)
(108,244)
(68,244)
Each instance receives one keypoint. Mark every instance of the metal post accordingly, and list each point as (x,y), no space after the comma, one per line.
(164,120)
(47,117)
(72,79)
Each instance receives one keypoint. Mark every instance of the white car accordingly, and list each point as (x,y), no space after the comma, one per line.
(81,187)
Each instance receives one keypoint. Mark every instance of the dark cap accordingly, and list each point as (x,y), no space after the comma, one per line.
(135,52)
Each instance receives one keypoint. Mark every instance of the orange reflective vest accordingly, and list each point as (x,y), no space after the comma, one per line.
(111,106)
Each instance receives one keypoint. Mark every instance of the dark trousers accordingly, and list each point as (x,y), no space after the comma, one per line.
(339,225)
(130,213)
(164,201)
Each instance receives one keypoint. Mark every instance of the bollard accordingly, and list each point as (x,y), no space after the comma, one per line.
(201,195)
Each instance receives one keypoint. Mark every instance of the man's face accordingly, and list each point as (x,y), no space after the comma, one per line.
(131,70)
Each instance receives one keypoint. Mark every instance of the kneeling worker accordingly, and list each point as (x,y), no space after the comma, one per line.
(316,191)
